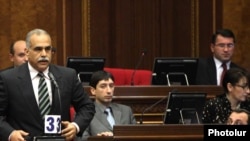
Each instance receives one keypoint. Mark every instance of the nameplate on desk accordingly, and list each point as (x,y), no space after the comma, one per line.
(52,124)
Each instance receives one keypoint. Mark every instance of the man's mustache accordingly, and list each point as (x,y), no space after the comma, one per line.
(43,59)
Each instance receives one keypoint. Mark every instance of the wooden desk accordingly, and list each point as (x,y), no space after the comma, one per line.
(141,97)
(155,133)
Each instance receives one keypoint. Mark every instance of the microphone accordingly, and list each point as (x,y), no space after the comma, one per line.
(144,51)
(156,103)
(52,78)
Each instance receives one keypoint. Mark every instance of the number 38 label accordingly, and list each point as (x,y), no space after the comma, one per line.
(52,124)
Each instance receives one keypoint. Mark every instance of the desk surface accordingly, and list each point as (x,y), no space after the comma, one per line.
(159,91)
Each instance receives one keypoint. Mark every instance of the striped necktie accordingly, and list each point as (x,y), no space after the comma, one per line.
(43,96)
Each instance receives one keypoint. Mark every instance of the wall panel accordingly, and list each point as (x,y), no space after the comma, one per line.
(236,17)
(120,29)
(17,17)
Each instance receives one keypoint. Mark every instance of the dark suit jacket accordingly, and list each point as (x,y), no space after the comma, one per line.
(11,67)
(206,71)
(19,109)
(122,114)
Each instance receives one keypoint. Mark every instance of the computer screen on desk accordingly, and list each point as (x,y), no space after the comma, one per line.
(174,71)
(85,66)
(184,107)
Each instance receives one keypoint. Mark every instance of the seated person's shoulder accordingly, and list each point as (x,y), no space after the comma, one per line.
(120,106)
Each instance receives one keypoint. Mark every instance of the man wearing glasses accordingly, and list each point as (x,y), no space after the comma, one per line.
(211,70)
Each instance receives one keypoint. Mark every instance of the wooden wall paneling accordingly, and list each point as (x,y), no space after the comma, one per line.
(123,34)
(86,27)
(19,17)
(182,29)
(5,34)
(116,28)
(73,29)
(236,17)
(100,29)
(167,29)
(60,55)
(210,15)
(147,31)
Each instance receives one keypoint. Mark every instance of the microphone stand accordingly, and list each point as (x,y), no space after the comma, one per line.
(137,66)
(156,103)
(58,90)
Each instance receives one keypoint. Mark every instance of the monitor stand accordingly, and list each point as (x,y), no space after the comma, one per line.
(189,116)
(177,74)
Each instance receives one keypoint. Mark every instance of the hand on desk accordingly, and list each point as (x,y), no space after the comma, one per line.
(105,134)
(69,131)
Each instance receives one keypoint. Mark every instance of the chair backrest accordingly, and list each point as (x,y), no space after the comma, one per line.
(119,75)
(124,76)
(72,113)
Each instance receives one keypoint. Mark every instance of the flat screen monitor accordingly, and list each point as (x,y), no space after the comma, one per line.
(85,66)
(174,71)
(184,108)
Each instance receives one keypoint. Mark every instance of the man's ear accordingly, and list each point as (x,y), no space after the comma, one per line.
(11,57)
(92,90)
(27,51)
(229,87)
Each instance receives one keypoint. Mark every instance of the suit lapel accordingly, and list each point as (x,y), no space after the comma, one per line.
(56,109)
(100,115)
(212,71)
(117,114)
(26,89)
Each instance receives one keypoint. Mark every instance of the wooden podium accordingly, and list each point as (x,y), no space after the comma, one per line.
(170,132)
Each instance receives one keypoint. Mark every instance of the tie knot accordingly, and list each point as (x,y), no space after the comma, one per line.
(40,74)
(224,66)
(108,110)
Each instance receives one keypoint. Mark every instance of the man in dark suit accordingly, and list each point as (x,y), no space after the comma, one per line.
(102,87)
(20,117)
(222,47)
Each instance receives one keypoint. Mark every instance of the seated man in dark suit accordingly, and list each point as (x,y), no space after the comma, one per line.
(102,87)
(210,70)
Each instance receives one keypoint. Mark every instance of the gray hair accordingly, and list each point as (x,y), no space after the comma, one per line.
(32,32)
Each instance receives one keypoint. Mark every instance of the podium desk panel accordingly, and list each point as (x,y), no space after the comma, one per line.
(158,132)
